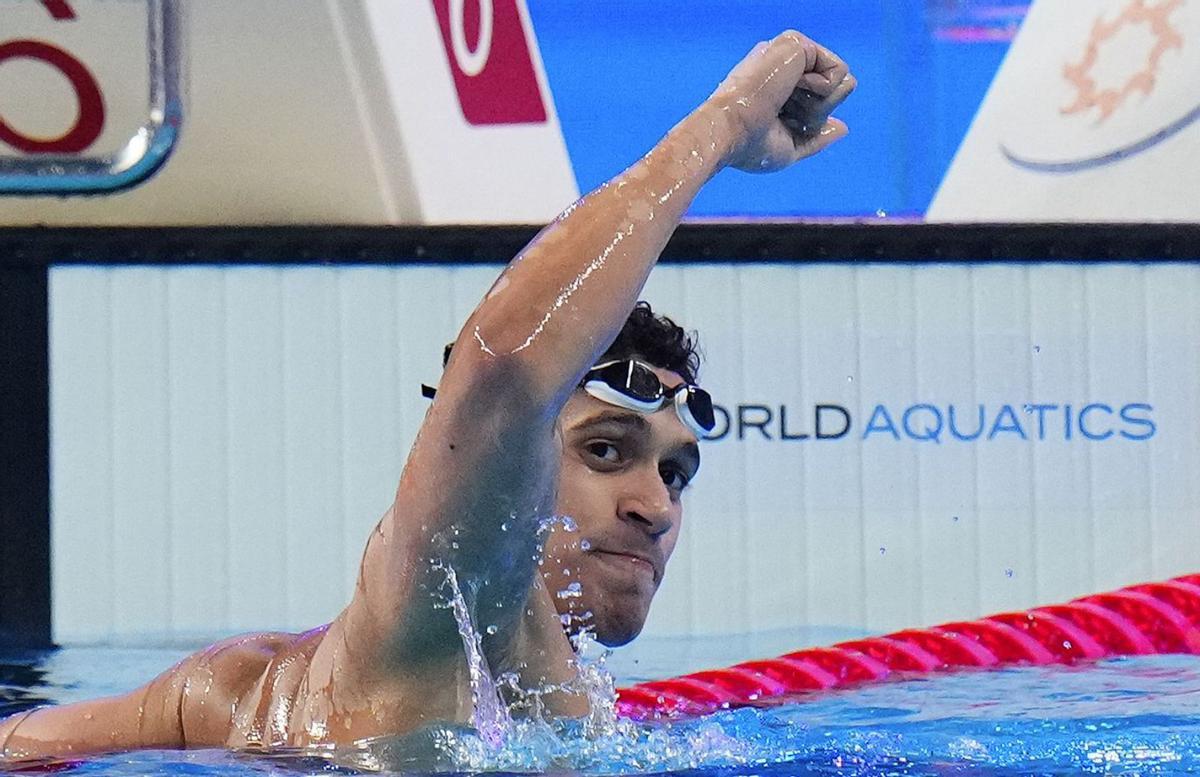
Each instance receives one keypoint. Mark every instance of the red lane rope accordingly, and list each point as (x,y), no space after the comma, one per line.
(1138,620)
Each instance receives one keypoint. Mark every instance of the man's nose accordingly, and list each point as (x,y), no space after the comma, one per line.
(647,503)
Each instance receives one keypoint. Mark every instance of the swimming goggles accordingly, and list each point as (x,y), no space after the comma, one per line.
(634,385)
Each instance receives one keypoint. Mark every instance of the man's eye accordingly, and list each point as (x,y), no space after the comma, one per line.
(674,478)
(605,451)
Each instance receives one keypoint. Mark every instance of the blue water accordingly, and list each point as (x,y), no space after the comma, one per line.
(1130,716)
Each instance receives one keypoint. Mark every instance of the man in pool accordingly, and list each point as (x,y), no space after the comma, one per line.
(555,401)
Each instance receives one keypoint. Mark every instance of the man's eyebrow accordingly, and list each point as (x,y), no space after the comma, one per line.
(635,421)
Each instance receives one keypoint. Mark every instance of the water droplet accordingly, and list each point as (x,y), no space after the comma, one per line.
(849,378)
(1028,408)
(955,519)
(881,213)
(585,545)
(569,524)
(504,526)
(454,545)
(572,591)
(1067,644)
(1008,573)
(1037,349)
(491,630)
(882,550)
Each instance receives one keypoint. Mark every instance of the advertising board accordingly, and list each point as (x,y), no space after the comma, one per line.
(302,111)
(900,444)
(1095,115)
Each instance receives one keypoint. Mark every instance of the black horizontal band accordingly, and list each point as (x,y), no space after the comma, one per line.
(692,242)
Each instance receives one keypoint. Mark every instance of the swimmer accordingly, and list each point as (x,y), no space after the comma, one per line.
(554,401)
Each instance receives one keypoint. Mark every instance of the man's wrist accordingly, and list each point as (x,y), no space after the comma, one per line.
(709,136)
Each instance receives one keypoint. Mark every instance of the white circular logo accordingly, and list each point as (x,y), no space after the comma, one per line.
(471,63)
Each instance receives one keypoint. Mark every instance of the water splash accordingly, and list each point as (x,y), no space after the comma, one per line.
(572,591)
(546,525)
(489,715)
(593,680)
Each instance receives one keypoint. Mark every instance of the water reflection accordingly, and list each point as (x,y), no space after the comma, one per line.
(23,680)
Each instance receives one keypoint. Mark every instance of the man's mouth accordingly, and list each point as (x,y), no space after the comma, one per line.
(629,560)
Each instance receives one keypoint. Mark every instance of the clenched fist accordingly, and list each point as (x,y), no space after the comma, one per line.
(778,102)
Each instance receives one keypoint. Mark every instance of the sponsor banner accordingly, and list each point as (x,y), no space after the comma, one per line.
(469,96)
(897,445)
(1095,115)
(901,445)
(487,48)
(363,112)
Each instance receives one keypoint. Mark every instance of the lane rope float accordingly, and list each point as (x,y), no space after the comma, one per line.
(1146,619)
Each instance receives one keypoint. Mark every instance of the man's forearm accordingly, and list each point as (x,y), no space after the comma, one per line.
(564,298)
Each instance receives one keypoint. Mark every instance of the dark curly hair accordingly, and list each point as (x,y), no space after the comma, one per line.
(657,340)
(652,338)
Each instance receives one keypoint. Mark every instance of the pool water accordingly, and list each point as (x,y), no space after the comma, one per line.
(1127,716)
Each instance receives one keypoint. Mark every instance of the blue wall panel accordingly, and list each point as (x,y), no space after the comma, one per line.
(624,71)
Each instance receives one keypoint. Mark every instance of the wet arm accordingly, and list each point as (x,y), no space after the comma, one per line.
(483,467)
(189,705)
(146,718)
(566,296)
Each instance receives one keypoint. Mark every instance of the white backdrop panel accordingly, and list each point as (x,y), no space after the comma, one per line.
(899,444)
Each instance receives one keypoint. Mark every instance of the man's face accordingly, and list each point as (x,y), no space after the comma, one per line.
(620,482)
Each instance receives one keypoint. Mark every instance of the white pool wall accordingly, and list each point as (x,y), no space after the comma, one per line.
(224,438)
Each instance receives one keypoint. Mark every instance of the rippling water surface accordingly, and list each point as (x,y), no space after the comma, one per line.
(1130,716)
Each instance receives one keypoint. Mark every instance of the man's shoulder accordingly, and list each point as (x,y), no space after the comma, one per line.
(243,653)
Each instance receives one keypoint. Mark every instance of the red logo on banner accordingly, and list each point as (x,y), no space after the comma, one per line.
(491,61)
(90,121)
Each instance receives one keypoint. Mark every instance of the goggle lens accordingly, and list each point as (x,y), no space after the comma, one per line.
(700,407)
(635,386)
(631,379)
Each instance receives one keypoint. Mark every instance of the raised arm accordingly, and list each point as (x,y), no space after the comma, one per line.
(481,474)
(482,470)
(563,300)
